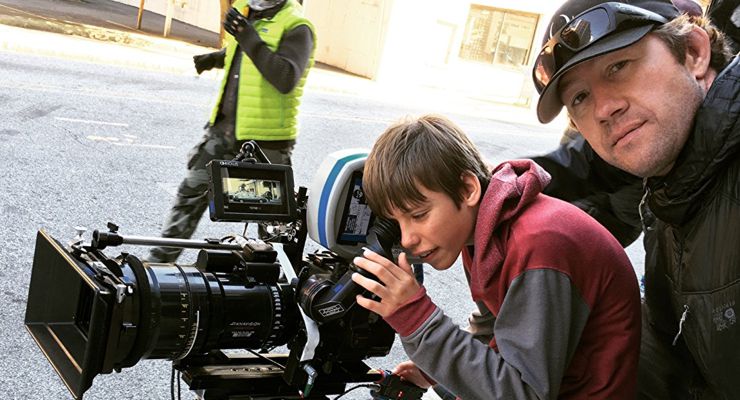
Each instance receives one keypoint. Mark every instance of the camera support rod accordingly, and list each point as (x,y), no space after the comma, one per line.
(102,240)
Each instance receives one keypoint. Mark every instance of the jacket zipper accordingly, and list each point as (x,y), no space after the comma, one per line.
(680,323)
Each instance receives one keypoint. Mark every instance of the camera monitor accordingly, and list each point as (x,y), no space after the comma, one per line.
(241,192)
(357,218)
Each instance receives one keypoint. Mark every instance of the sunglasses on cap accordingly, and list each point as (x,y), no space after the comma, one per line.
(582,31)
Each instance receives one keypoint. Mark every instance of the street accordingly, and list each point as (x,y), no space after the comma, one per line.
(85,144)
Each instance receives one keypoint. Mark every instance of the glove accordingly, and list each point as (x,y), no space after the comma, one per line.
(235,23)
(204,62)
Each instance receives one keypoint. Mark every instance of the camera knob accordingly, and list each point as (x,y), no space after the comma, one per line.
(80,231)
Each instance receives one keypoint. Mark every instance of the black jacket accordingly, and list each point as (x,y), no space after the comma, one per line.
(610,195)
(693,263)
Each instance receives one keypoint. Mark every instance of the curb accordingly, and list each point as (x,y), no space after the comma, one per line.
(101,46)
(73,29)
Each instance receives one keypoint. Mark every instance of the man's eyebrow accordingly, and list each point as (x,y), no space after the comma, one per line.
(563,85)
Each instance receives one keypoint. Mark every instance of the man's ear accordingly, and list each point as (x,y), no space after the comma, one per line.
(698,57)
(471,189)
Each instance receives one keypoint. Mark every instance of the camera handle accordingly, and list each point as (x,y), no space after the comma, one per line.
(251,152)
(313,337)
(332,302)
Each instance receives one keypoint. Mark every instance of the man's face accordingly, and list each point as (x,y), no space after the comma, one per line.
(635,106)
(436,230)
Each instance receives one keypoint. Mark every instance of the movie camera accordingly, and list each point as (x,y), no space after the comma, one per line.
(219,319)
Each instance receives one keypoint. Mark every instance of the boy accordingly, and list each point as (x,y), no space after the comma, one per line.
(563,293)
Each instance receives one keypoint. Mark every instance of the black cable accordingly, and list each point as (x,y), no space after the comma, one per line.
(178,385)
(364,385)
(266,359)
(228,238)
(172,383)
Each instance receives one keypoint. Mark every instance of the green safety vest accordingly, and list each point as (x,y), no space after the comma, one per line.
(262,112)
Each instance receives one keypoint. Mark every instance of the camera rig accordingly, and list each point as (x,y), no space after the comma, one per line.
(219,319)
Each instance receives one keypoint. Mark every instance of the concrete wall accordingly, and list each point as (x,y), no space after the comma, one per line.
(201,13)
(350,33)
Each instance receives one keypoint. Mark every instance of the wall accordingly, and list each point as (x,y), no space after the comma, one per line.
(201,13)
(350,33)
(418,42)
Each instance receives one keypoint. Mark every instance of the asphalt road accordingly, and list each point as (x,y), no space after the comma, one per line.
(84,144)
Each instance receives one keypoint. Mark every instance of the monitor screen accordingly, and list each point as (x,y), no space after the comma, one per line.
(256,191)
(251,192)
(357,218)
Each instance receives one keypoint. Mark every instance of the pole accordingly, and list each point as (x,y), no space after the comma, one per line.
(141,13)
(168,17)
(225,5)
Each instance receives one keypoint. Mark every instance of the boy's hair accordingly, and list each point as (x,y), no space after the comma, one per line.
(675,32)
(429,150)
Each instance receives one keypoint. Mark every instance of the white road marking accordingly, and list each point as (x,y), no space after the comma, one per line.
(87,121)
(128,142)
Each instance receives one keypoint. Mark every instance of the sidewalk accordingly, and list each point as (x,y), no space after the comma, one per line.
(102,31)
(98,19)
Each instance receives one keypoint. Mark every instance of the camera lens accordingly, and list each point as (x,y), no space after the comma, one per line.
(183,310)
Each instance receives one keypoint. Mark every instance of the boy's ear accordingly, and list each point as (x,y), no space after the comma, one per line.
(471,189)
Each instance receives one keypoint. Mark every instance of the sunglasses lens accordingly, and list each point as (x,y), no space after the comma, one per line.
(544,67)
(574,36)
(586,29)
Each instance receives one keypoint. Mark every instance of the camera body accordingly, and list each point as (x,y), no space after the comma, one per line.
(91,313)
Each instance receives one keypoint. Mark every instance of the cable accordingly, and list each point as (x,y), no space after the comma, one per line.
(266,359)
(172,383)
(228,238)
(364,385)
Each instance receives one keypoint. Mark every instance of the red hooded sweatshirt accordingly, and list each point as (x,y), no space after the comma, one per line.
(563,293)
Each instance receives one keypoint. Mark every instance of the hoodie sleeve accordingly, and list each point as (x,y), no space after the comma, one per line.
(537,330)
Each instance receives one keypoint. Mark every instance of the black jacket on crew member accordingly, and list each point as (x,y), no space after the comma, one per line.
(692,261)
(579,176)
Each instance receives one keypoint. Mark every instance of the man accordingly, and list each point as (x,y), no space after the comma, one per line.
(267,58)
(654,94)
(608,194)
(580,176)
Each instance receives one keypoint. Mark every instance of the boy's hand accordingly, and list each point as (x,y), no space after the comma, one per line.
(397,282)
(410,372)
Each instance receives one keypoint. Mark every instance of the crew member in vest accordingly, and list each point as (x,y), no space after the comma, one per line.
(268,53)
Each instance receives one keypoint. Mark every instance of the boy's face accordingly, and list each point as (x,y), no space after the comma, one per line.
(436,230)
(635,106)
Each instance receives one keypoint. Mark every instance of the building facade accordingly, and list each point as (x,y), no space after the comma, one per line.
(484,47)
(204,14)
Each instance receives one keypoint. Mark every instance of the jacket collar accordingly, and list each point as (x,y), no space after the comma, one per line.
(714,141)
(513,187)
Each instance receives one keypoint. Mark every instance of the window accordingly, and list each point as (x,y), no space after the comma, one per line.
(497,36)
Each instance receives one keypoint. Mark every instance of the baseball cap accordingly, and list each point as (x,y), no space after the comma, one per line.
(583,29)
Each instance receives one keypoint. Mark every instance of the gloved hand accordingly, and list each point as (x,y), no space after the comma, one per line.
(235,23)
(204,62)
